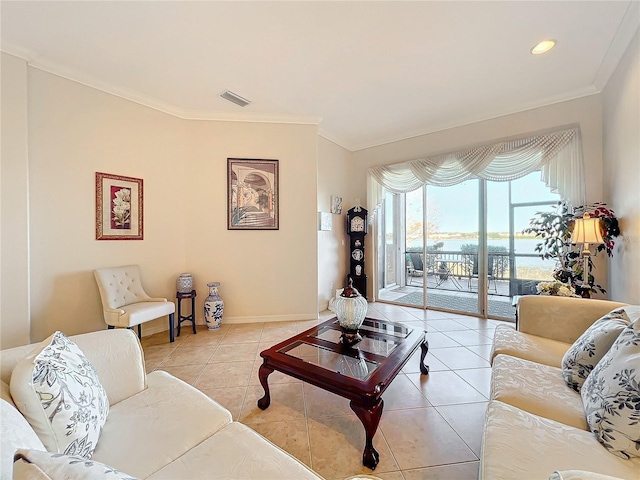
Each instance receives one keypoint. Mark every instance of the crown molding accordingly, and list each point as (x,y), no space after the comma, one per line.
(628,27)
(576,94)
(151,102)
(16,51)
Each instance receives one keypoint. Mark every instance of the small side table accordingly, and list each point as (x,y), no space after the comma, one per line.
(192,318)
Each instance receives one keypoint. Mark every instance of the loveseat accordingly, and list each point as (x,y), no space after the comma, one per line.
(157,427)
(535,422)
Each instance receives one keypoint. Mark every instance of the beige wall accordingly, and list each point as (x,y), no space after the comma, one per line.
(586,112)
(622,172)
(75,131)
(333,179)
(265,275)
(14,254)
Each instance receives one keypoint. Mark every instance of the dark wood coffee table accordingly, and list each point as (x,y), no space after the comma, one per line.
(360,373)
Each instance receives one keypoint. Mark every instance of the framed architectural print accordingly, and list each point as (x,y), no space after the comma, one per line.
(252,194)
(118,207)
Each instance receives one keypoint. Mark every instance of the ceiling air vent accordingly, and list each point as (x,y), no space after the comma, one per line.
(237,99)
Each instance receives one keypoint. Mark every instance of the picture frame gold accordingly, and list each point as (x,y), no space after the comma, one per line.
(119,207)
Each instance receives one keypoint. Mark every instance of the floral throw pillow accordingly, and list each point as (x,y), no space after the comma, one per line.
(57,390)
(57,465)
(586,352)
(611,395)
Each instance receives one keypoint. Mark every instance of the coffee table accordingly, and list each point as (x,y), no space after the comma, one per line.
(360,373)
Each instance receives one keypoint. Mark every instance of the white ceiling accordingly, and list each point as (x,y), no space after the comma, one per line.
(367,72)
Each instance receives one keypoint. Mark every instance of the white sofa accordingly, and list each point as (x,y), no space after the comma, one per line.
(535,424)
(158,427)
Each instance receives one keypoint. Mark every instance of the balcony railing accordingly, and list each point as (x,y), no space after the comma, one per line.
(459,270)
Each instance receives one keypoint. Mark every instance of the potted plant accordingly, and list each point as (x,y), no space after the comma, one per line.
(555,228)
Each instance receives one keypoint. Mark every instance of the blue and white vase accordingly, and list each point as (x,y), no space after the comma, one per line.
(184,283)
(213,307)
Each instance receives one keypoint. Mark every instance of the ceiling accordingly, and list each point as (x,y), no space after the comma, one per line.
(367,72)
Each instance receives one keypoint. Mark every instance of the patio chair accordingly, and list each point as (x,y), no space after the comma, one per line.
(416,269)
(491,264)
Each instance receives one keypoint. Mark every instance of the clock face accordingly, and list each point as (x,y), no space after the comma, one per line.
(357,255)
(357,224)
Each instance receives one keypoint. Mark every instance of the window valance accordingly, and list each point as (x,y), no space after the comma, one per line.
(558,155)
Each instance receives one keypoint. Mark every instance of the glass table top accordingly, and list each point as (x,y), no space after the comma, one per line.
(379,338)
(354,366)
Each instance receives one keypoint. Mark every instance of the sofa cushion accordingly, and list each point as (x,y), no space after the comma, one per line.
(158,425)
(591,346)
(239,452)
(47,465)
(518,444)
(5,393)
(509,341)
(537,389)
(59,393)
(15,432)
(611,395)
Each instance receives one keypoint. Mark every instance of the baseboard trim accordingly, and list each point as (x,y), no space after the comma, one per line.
(148,330)
(294,317)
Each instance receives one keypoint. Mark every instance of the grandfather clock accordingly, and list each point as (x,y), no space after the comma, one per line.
(357,229)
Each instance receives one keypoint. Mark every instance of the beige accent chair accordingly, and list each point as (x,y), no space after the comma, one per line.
(126,304)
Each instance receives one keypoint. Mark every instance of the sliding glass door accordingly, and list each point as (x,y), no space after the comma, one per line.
(461,248)
(452,247)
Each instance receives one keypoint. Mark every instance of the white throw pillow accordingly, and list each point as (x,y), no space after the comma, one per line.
(586,351)
(611,395)
(58,391)
(46,465)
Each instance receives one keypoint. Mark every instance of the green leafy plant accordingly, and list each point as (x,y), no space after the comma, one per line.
(555,229)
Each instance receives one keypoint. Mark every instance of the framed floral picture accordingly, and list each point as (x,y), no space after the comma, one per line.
(252,194)
(118,207)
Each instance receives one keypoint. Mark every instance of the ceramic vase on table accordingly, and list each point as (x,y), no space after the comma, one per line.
(184,283)
(213,307)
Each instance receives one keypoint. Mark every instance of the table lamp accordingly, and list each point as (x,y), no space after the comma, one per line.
(586,232)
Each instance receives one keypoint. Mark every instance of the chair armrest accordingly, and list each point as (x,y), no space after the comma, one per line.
(560,318)
(118,359)
(112,316)
(117,311)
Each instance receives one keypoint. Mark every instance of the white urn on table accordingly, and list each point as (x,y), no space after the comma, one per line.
(213,307)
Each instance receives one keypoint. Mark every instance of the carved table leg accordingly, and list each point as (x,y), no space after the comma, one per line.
(425,348)
(263,373)
(370,418)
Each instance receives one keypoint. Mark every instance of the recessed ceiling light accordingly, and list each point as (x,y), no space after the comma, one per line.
(543,47)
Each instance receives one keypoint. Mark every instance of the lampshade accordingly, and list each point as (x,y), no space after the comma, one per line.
(587,230)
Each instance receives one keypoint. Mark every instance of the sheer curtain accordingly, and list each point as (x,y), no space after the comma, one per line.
(557,154)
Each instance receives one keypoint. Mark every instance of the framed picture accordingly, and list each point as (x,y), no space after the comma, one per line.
(336,204)
(252,194)
(118,207)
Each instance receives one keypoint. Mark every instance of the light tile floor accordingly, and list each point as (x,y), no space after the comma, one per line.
(431,426)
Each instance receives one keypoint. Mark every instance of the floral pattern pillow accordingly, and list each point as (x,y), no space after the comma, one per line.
(58,465)
(611,395)
(586,352)
(58,391)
